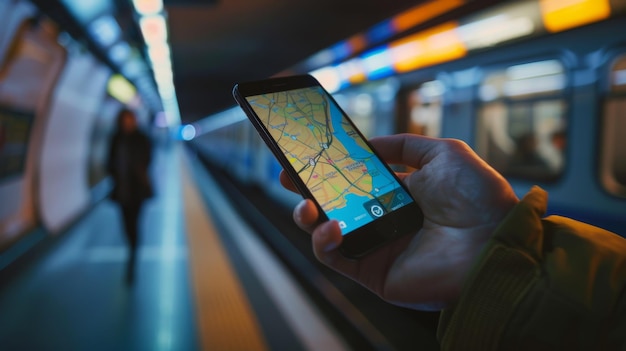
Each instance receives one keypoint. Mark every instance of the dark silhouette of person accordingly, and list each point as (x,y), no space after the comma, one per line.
(526,161)
(129,159)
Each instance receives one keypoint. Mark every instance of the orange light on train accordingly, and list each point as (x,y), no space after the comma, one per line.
(357,43)
(430,47)
(422,13)
(352,71)
(559,15)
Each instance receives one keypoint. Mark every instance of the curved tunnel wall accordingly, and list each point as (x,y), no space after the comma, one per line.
(56,118)
(31,63)
(63,172)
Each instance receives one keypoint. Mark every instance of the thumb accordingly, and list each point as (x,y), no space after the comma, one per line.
(406,149)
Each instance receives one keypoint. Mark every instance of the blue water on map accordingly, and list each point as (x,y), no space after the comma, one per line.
(354,214)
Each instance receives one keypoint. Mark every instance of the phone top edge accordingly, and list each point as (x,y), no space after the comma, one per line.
(274,84)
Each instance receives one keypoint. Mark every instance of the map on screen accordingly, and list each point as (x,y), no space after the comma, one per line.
(349,182)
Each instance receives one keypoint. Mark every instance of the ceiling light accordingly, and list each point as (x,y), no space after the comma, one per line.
(119,52)
(105,30)
(148,7)
(86,10)
(121,89)
(153,29)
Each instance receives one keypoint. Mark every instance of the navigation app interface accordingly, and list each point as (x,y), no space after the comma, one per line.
(349,182)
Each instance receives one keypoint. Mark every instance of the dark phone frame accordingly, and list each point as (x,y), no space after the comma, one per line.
(360,241)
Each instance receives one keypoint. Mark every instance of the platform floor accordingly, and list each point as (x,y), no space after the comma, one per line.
(192,291)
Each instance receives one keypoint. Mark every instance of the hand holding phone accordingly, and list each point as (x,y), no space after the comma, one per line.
(330,162)
(463,199)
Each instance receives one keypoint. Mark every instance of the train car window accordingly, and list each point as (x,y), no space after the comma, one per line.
(370,106)
(613,159)
(521,120)
(360,107)
(425,106)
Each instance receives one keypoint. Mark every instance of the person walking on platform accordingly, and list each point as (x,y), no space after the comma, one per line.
(129,159)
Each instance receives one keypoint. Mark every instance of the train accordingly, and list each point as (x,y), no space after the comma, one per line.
(537,90)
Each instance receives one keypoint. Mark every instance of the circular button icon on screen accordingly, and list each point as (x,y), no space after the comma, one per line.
(376,210)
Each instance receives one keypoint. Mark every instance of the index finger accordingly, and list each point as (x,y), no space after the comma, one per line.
(286,182)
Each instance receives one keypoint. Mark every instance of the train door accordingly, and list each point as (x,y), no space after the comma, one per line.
(423,109)
(521,120)
(613,143)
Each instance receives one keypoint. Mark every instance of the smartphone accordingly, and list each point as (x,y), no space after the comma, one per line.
(330,161)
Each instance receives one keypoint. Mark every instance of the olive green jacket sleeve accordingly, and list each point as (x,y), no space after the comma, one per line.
(542,284)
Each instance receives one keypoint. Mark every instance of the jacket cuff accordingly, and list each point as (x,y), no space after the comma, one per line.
(505,270)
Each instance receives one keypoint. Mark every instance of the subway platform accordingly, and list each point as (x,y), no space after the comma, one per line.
(214,272)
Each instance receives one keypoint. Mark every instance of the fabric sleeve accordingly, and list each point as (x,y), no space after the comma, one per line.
(542,284)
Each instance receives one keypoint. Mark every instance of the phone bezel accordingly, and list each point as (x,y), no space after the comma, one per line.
(362,240)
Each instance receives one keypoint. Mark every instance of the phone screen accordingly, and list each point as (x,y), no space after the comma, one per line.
(350,183)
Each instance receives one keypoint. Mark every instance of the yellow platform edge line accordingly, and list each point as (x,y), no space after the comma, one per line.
(225,318)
